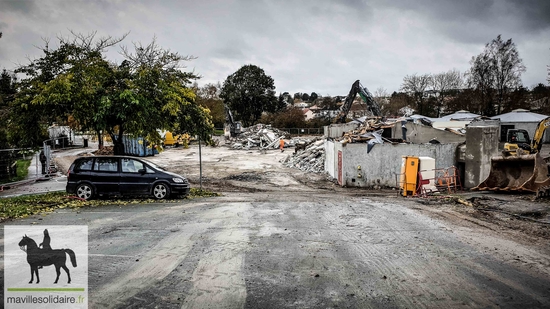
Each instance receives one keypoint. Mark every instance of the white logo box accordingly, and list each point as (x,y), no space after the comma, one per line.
(19,293)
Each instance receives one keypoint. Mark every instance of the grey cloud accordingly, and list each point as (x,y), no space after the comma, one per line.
(534,15)
(473,21)
(23,6)
(230,52)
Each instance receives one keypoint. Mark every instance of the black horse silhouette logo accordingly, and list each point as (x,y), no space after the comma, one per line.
(38,257)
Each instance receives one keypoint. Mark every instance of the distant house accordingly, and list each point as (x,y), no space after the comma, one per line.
(520,119)
(308,113)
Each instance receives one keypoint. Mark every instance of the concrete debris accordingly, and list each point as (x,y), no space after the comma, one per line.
(309,159)
(310,156)
(259,136)
(369,131)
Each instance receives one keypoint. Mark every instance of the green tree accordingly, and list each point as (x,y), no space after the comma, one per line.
(7,92)
(291,117)
(154,94)
(149,91)
(64,81)
(209,96)
(314,96)
(249,92)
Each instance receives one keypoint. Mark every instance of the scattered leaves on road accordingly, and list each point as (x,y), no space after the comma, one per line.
(24,206)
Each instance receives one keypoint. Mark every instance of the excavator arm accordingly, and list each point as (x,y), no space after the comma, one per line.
(234,127)
(536,143)
(365,95)
(369,99)
(344,110)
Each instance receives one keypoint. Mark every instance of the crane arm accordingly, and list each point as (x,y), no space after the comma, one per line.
(536,143)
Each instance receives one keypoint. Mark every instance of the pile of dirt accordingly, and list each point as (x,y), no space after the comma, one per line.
(246,176)
(105,151)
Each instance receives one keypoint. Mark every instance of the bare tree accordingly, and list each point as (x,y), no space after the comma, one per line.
(89,42)
(208,91)
(443,84)
(151,55)
(381,97)
(416,86)
(507,66)
(481,78)
(496,71)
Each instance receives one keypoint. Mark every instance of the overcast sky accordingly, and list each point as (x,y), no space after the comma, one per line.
(317,46)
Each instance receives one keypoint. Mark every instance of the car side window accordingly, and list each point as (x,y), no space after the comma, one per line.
(106,164)
(84,165)
(149,170)
(131,166)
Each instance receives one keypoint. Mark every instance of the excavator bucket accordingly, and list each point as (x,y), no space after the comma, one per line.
(522,173)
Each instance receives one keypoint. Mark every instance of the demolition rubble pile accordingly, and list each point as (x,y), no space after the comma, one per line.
(310,159)
(369,131)
(258,136)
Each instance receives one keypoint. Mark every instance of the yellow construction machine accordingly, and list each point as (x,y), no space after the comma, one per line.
(517,140)
(521,168)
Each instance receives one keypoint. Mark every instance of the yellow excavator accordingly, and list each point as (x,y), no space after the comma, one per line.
(517,140)
(521,168)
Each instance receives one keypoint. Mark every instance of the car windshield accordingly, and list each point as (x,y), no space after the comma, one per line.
(155,166)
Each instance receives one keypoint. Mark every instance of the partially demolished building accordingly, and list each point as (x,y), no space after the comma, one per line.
(372,154)
(369,152)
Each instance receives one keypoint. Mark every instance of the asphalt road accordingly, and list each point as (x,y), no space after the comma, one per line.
(290,250)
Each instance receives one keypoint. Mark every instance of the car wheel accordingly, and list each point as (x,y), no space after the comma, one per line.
(84,191)
(161,191)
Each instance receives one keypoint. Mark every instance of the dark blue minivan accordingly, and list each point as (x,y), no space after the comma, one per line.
(121,175)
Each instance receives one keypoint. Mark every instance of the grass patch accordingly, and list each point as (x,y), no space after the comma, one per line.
(24,206)
(22,171)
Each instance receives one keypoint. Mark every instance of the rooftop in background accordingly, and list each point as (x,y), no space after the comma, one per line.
(520,115)
(459,115)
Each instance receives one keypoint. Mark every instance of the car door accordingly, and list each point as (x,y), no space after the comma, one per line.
(82,170)
(133,178)
(106,175)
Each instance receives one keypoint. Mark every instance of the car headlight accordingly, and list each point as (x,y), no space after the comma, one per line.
(179,180)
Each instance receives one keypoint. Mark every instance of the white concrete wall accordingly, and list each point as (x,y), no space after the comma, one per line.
(331,162)
(337,130)
(481,146)
(380,166)
(418,133)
